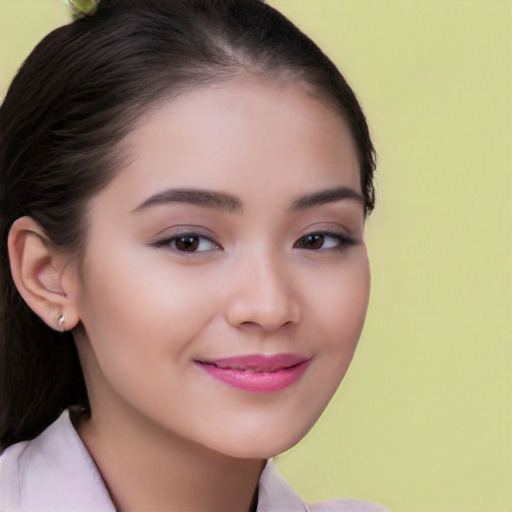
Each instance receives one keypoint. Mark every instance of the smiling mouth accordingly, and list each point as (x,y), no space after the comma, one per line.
(257,373)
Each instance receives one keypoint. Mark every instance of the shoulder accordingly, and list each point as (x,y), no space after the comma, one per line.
(54,472)
(275,493)
(10,476)
(346,505)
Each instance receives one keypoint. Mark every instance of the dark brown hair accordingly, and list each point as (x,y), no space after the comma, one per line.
(74,99)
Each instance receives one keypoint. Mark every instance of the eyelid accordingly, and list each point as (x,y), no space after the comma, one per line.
(165,240)
(344,240)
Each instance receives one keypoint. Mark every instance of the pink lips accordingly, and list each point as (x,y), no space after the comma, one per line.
(257,373)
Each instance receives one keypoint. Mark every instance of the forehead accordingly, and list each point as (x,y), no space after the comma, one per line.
(235,135)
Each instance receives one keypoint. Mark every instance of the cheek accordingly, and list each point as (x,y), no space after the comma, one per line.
(339,310)
(141,319)
(340,307)
(135,303)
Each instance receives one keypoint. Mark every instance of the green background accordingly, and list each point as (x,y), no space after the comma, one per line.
(423,421)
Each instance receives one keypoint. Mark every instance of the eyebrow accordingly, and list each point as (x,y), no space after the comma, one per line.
(327,196)
(204,198)
(228,203)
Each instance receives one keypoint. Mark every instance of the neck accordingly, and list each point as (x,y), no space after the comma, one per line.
(146,468)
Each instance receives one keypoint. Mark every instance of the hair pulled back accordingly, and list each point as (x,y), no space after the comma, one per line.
(74,99)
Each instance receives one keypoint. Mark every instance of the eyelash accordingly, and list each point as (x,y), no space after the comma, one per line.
(342,241)
(195,239)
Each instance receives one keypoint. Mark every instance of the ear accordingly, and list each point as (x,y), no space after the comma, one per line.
(41,274)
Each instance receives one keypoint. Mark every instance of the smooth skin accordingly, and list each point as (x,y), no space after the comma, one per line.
(236,227)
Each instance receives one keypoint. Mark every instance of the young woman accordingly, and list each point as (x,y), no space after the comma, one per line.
(184,185)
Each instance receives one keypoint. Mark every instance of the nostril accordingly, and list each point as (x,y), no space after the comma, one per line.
(248,323)
(266,324)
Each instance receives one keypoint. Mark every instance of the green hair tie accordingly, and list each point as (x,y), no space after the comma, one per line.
(83,7)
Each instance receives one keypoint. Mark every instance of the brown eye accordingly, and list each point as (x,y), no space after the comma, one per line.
(186,243)
(190,243)
(324,241)
(313,241)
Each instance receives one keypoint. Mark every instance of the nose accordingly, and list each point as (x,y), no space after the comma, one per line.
(262,294)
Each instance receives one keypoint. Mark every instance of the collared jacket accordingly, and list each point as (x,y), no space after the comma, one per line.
(55,473)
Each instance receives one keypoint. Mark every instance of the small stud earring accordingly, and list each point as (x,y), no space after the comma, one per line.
(60,320)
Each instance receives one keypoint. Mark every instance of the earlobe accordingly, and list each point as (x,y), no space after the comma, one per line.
(38,272)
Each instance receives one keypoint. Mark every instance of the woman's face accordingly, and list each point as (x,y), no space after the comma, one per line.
(225,282)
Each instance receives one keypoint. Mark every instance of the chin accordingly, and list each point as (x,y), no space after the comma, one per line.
(261,445)
(258,452)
